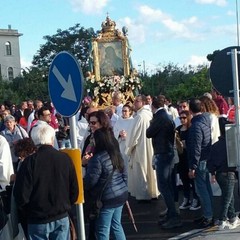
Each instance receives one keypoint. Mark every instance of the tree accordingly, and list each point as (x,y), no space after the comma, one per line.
(32,85)
(178,83)
(75,40)
(6,91)
(194,84)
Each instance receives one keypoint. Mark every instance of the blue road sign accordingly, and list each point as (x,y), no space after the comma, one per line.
(65,84)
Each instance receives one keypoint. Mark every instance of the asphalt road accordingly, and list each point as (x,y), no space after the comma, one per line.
(146,217)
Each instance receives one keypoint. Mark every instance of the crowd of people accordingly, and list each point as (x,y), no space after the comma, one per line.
(142,148)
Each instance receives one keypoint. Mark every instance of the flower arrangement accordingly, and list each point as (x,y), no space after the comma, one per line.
(111,84)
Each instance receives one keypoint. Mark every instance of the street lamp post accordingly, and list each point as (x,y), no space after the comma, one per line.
(144,69)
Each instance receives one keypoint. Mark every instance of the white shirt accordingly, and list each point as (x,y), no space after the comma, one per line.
(82,128)
(30,119)
(6,166)
(119,109)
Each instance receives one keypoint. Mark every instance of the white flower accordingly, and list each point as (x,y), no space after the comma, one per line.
(96,91)
(113,83)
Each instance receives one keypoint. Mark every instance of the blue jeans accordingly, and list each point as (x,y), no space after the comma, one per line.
(110,219)
(226,182)
(203,189)
(164,168)
(56,230)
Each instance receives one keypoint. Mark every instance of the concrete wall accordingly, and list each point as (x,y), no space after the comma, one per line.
(13,60)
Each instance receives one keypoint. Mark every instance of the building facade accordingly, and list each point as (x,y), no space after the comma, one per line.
(10,65)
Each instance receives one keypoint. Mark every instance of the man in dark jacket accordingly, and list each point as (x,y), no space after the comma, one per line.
(162,132)
(199,146)
(46,187)
(226,178)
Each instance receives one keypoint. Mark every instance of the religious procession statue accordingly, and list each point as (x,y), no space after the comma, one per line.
(111,66)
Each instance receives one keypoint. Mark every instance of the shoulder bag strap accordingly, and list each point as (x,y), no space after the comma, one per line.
(20,131)
(105,184)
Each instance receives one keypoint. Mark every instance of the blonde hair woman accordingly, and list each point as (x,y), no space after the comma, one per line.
(208,105)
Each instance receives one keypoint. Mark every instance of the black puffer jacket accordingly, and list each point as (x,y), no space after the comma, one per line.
(161,130)
(218,161)
(199,140)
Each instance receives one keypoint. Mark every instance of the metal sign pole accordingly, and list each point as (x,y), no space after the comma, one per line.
(79,207)
(236,104)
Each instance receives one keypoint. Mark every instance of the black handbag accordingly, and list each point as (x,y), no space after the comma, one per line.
(3,215)
(6,198)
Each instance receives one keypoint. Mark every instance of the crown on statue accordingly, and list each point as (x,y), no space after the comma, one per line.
(108,25)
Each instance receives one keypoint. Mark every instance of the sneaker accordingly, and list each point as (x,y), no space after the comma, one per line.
(224,225)
(235,223)
(172,223)
(185,204)
(216,222)
(195,205)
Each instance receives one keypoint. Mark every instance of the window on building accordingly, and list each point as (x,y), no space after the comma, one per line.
(8,48)
(10,73)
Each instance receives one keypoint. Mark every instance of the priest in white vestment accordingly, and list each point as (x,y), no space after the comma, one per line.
(142,183)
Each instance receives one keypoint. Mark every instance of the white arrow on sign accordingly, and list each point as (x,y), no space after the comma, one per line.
(68,91)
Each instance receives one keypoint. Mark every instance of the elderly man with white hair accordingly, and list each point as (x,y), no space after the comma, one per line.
(46,187)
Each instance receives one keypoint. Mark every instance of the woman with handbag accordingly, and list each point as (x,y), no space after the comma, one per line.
(97,120)
(106,172)
(185,118)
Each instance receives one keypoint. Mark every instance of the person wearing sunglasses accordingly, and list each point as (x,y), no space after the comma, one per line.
(185,118)
(97,120)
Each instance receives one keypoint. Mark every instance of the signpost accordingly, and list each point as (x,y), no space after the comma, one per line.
(65,84)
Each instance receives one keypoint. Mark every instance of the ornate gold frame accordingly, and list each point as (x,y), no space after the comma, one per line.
(109,36)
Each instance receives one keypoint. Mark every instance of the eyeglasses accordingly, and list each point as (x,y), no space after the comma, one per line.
(124,110)
(183,118)
(183,106)
(93,122)
(47,115)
